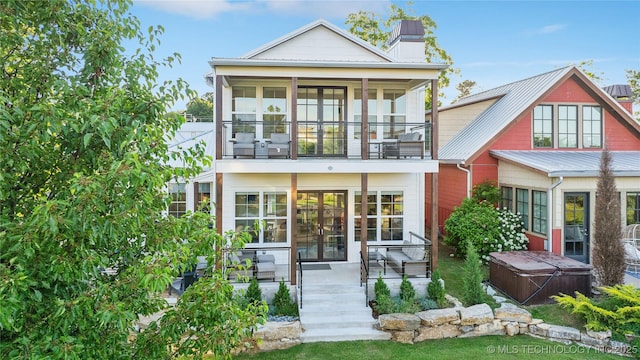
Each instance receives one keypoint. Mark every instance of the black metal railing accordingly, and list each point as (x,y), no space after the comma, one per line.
(411,258)
(300,278)
(340,139)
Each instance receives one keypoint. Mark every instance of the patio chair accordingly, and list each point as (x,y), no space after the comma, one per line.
(407,145)
(278,145)
(266,267)
(244,145)
(631,255)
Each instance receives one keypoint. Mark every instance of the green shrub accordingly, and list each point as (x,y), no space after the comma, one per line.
(486,228)
(435,290)
(619,311)
(486,191)
(472,280)
(384,304)
(253,294)
(407,292)
(380,288)
(282,304)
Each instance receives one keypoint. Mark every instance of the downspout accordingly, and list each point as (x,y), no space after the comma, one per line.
(550,212)
(468,178)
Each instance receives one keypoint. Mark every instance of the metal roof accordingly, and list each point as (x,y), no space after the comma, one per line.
(572,163)
(514,99)
(618,91)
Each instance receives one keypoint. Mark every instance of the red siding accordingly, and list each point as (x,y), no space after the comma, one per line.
(452,189)
(556,234)
(618,136)
(569,91)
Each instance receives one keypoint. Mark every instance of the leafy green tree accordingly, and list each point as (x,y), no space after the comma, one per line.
(633,77)
(84,247)
(201,107)
(465,88)
(376,30)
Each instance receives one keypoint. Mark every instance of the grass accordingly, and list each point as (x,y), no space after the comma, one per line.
(484,347)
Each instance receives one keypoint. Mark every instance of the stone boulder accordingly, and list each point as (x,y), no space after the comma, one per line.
(399,321)
(510,312)
(403,336)
(476,315)
(437,332)
(438,316)
(276,335)
(564,332)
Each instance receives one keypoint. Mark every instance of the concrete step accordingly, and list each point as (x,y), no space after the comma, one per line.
(343,334)
(337,313)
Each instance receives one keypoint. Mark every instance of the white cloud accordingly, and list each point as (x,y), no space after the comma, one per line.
(329,9)
(550,29)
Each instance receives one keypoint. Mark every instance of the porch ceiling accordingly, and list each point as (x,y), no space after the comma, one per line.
(325,166)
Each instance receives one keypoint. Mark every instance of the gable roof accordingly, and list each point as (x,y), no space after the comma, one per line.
(572,163)
(321,23)
(513,100)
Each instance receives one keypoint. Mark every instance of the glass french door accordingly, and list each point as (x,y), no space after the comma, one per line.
(576,226)
(321,228)
(321,122)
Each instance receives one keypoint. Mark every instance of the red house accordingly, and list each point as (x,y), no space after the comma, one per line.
(541,139)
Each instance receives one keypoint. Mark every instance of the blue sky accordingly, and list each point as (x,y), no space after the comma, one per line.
(491,42)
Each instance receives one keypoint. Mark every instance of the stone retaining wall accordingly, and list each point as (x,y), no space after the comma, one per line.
(275,335)
(480,320)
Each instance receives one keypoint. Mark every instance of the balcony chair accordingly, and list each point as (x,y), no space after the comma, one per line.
(407,145)
(279,145)
(244,145)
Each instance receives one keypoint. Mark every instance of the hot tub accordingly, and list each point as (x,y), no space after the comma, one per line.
(531,277)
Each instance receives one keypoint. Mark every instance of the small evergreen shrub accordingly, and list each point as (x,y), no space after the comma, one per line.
(472,282)
(253,294)
(407,292)
(282,304)
(435,290)
(380,288)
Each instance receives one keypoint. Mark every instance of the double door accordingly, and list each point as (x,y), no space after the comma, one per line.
(321,227)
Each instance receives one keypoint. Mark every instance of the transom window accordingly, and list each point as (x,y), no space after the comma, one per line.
(578,126)
(385,215)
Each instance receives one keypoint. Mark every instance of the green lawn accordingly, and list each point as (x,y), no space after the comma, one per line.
(485,347)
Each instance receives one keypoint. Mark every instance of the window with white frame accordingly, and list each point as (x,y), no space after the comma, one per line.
(263,215)
(243,109)
(394,109)
(274,111)
(539,211)
(203,197)
(178,206)
(385,215)
(372,108)
(522,205)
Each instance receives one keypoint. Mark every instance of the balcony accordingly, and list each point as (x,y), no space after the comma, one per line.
(329,140)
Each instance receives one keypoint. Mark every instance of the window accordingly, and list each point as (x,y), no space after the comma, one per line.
(373,111)
(264,217)
(203,197)
(394,108)
(591,126)
(539,213)
(567,126)
(243,109)
(633,208)
(274,111)
(522,206)
(385,215)
(506,197)
(275,217)
(178,206)
(543,126)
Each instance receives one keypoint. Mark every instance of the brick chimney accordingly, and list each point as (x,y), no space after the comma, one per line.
(406,43)
(623,94)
